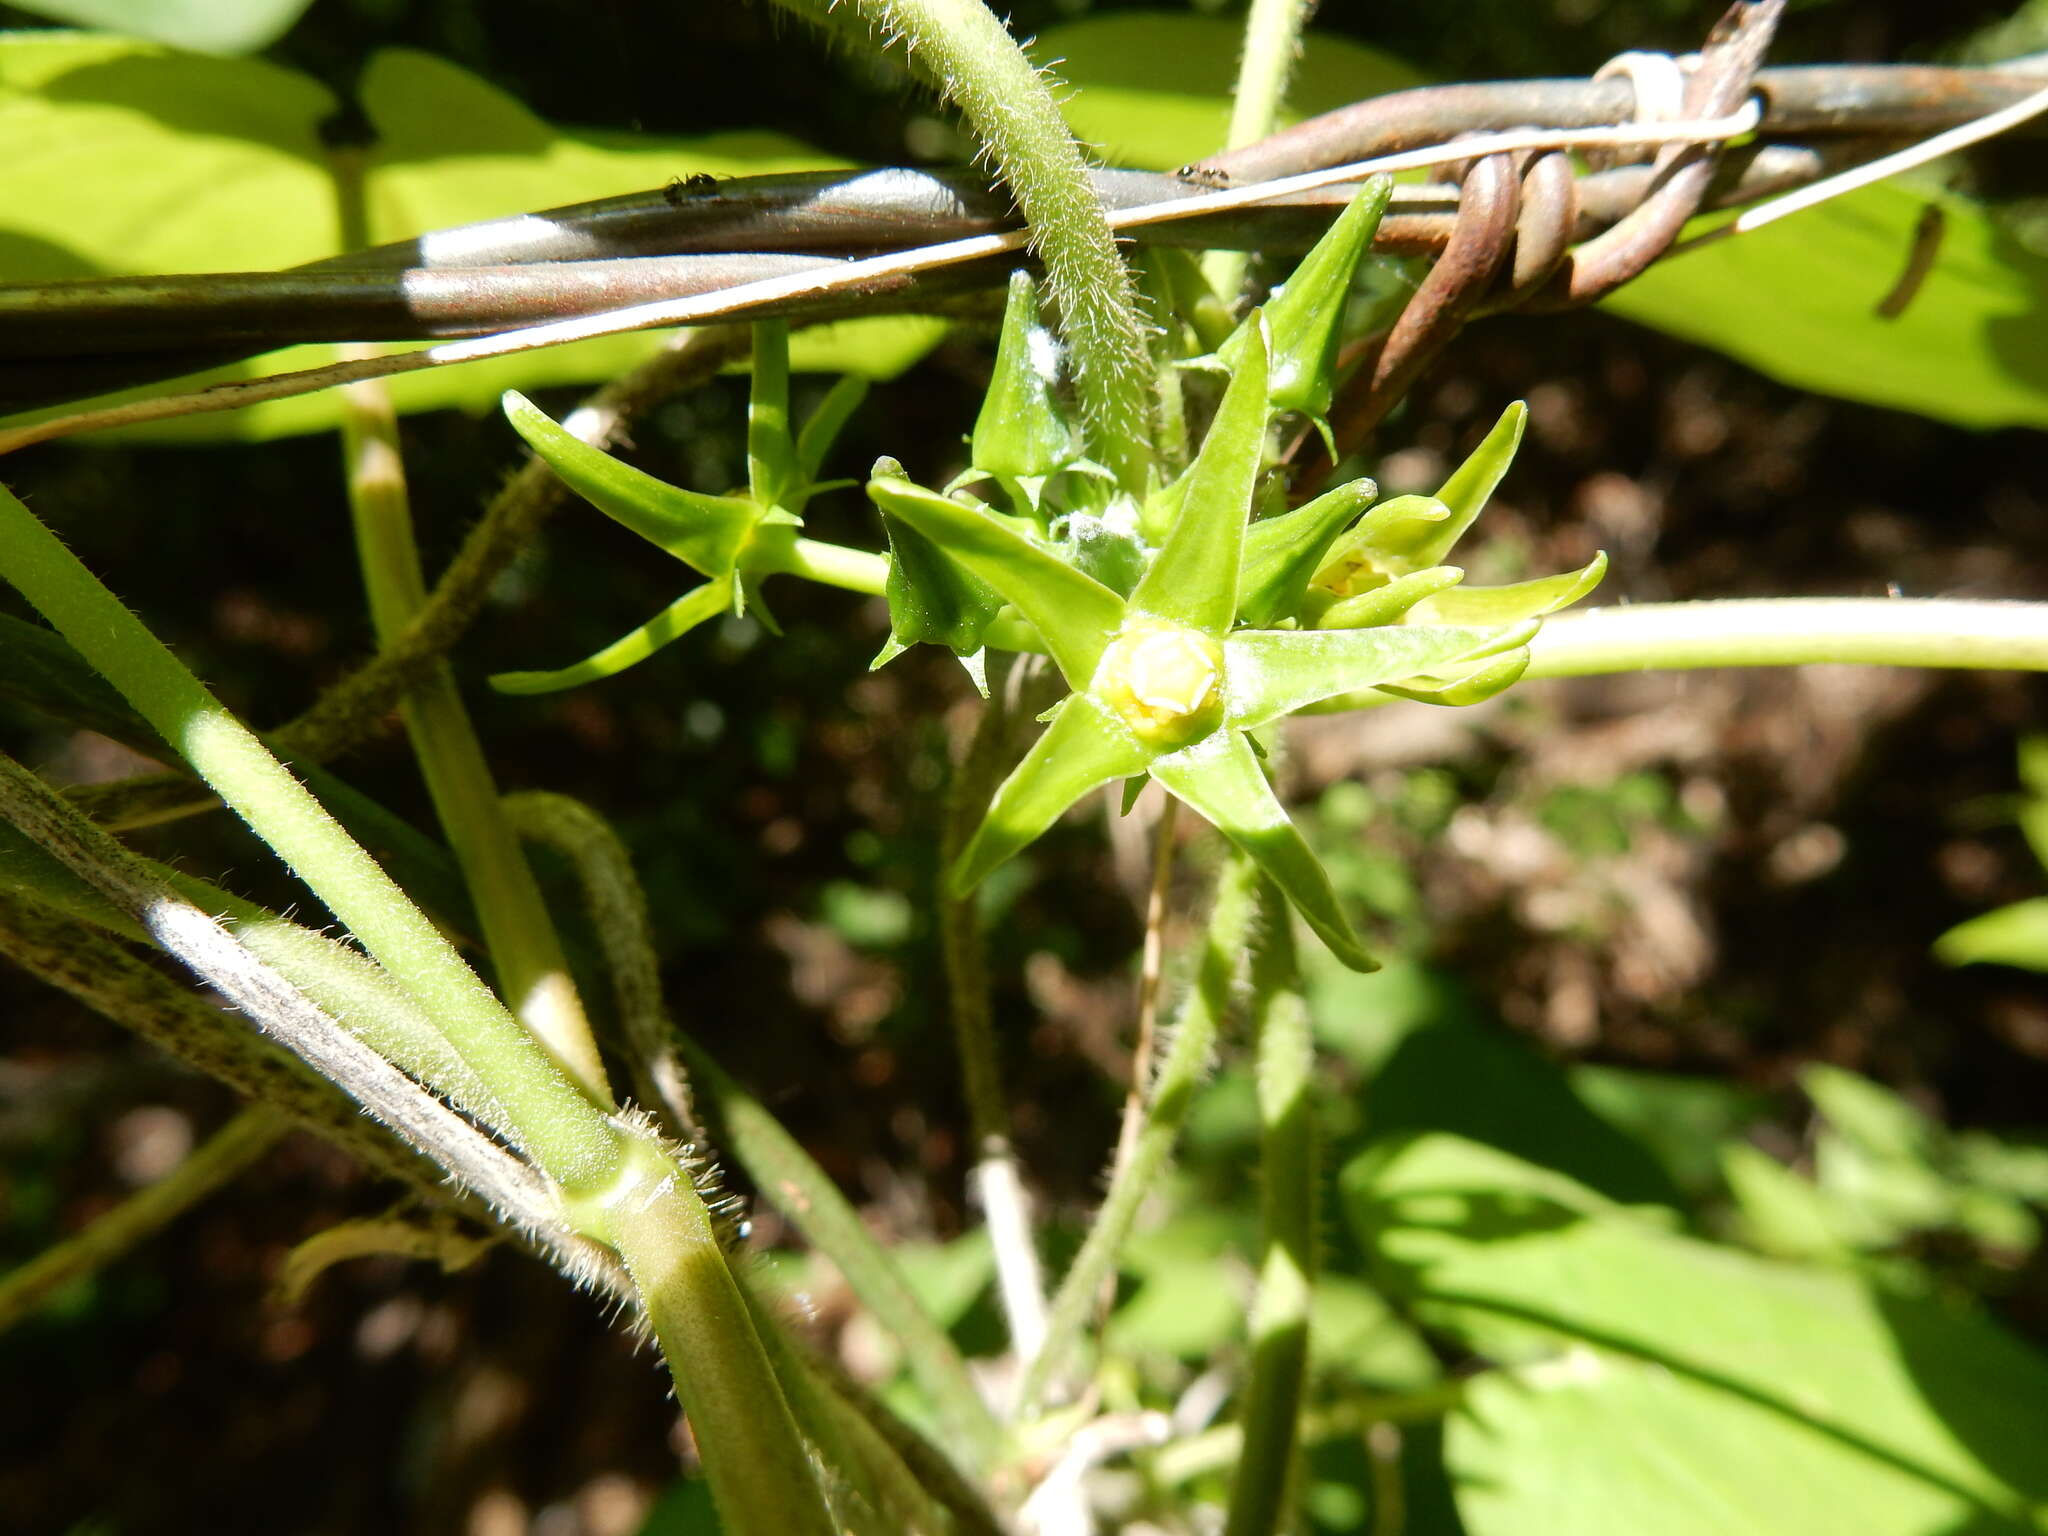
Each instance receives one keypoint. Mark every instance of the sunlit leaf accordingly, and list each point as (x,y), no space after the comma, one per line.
(1388,604)
(671,624)
(1282,553)
(931,598)
(1022,434)
(2013,935)
(205,26)
(1518,600)
(1474,684)
(1272,672)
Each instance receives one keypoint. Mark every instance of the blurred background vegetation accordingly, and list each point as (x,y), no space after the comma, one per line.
(1668,934)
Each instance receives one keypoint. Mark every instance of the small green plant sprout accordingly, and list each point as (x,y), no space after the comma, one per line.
(1163,683)
(2017,934)
(736,541)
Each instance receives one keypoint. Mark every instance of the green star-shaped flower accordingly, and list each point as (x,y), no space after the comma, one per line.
(1163,684)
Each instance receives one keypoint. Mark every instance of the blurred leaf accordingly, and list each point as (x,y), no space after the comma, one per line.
(1797,300)
(1672,1385)
(237,180)
(206,26)
(1354,1334)
(684,1509)
(947,1278)
(1155,86)
(1682,1120)
(1782,1214)
(2014,935)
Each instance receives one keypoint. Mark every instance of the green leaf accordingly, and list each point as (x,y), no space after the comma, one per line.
(1784,1215)
(1798,300)
(204,26)
(1075,614)
(1391,603)
(822,430)
(1272,672)
(1468,489)
(931,598)
(1473,684)
(706,533)
(1022,434)
(1663,1383)
(1282,553)
(1193,578)
(1155,86)
(671,624)
(1221,778)
(1517,600)
(2014,935)
(1377,548)
(1084,748)
(1306,318)
(237,179)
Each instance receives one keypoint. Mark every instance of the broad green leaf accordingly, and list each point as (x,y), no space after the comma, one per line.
(1782,1214)
(1220,777)
(204,26)
(2014,935)
(1193,578)
(1305,319)
(1155,86)
(1798,300)
(671,624)
(706,533)
(1084,748)
(1391,603)
(1656,1372)
(1282,553)
(1075,613)
(1272,672)
(124,157)
(1682,1118)
(1517,600)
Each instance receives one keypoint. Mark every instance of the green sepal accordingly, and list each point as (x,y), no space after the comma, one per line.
(672,623)
(1376,549)
(1466,492)
(1518,600)
(1084,748)
(1473,684)
(706,533)
(1306,318)
(1022,436)
(1282,553)
(1273,672)
(1193,579)
(1074,613)
(932,599)
(1220,777)
(1390,603)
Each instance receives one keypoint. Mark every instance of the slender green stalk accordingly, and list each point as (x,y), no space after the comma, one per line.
(996,1179)
(526,953)
(1185,1063)
(542,1111)
(1272,44)
(962,48)
(668,1066)
(213,1163)
(1287,1218)
(760,1475)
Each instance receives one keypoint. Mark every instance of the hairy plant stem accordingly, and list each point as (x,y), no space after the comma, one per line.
(1285,1056)
(213,1163)
(1189,1050)
(964,50)
(996,1179)
(671,1071)
(526,953)
(1272,44)
(1151,968)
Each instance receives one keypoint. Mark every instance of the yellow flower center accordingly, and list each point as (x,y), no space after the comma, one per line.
(1164,680)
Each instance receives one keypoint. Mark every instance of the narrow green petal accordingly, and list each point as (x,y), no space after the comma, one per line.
(1388,604)
(1272,672)
(1193,579)
(672,623)
(1307,317)
(1518,600)
(1221,778)
(1471,483)
(1282,553)
(1472,684)
(704,532)
(1076,614)
(1084,748)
